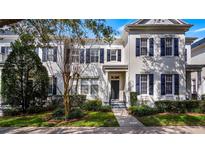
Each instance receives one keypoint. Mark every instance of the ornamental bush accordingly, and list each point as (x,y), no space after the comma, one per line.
(133,98)
(142,110)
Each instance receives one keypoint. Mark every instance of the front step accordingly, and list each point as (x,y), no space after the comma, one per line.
(118,105)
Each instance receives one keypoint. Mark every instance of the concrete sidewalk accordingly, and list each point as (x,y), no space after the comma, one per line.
(105,130)
(124,119)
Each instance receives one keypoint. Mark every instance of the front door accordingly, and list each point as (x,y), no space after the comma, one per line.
(114,89)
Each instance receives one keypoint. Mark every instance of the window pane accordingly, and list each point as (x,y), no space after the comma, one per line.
(75,56)
(113,55)
(94,55)
(50,88)
(143,84)
(50,54)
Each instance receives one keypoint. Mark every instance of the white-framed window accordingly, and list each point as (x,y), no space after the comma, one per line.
(85,86)
(50,87)
(94,55)
(5,51)
(89,86)
(75,56)
(168,84)
(143,46)
(185,54)
(144,83)
(94,87)
(50,54)
(113,55)
(168,46)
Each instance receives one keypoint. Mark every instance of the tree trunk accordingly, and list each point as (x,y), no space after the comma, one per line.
(66,100)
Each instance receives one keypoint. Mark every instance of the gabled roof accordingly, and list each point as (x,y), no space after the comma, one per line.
(198,43)
(158,24)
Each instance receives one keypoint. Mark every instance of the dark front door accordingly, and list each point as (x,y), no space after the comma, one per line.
(114,89)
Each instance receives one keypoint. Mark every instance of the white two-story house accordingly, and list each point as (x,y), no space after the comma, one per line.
(150,58)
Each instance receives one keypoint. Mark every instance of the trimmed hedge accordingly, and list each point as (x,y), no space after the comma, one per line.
(77,100)
(181,106)
(142,110)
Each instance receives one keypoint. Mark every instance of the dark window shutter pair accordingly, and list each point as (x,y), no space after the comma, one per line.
(108,54)
(176,46)
(151,47)
(45,54)
(119,55)
(101,55)
(55,50)
(176,84)
(54,85)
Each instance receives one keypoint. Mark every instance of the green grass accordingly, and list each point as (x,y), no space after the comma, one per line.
(170,119)
(92,119)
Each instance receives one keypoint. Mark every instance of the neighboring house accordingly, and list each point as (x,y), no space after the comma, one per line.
(198,58)
(152,58)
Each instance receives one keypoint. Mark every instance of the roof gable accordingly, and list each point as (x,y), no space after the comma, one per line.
(159,22)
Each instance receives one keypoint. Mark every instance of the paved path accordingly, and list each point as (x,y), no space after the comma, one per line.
(104,130)
(124,119)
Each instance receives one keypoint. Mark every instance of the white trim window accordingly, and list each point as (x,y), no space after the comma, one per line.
(144,85)
(75,56)
(85,86)
(5,51)
(94,55)
(168,84)
(113,55)
(94,87)
(168,46)
(143,50)
(194,85)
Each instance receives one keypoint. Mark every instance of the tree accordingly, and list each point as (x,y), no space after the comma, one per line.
(72,34)
(24,78)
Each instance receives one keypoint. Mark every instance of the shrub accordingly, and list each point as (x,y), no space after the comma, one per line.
(106,108)
(142,110)
(133,98)
(11,112)
(180,106)
(76,113)
(203,97)
(93,105)
(77,100)
(59,112)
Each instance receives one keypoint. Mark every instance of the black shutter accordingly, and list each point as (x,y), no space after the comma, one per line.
(119,55)
(101,55)
(54,85)
(87,55)
(45,53)
(137,46)
(176,84)
(108,54)
(151,47)
(151,84)
(55,54)
(3,50)
(162,43)
(82,56)
(162,84)
(138,84)
(176,47)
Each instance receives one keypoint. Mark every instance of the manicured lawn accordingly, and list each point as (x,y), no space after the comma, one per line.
(92,119)
(170,119)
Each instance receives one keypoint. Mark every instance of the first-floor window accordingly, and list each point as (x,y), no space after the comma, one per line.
(84,89)
(168,84)
(194,85)
(143,84)
(50,88)
(89,86)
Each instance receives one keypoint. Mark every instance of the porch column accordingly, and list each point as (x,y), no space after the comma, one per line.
(107,86)
(199,84)
(188,84)
(127,88)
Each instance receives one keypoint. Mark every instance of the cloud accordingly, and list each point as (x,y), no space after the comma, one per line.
(200,30)
(120,29)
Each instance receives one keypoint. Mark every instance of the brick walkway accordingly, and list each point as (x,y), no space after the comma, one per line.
(124,119)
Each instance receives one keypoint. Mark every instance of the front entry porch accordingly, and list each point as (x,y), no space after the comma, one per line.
(116,77)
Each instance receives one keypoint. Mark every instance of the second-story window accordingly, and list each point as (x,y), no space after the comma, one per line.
(75,56)
(50,54)
(94,55)
(143,46)
(113,55)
